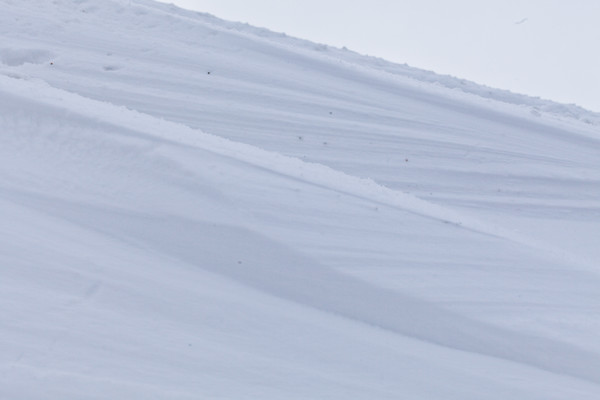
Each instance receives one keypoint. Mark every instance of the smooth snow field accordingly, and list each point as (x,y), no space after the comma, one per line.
(198,209)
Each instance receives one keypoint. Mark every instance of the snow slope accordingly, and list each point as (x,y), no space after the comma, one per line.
(198,209)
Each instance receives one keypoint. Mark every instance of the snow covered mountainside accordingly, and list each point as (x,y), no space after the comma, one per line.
(197,209)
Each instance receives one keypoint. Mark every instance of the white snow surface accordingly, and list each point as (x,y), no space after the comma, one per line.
(197,209)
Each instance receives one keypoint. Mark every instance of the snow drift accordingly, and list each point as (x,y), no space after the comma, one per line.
(198,209)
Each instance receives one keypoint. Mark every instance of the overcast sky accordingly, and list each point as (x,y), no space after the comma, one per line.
(545,48)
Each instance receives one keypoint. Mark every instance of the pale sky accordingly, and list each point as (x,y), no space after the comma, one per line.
(545,48)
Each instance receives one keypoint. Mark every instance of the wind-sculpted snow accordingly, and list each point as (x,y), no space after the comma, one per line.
(199,209)
(16,57)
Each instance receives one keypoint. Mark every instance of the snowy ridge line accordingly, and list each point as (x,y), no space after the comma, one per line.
(312,173)
(178,264)
(535,104)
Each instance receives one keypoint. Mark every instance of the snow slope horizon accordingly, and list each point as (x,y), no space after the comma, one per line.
(291,255)
(464,84)
(16,56)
